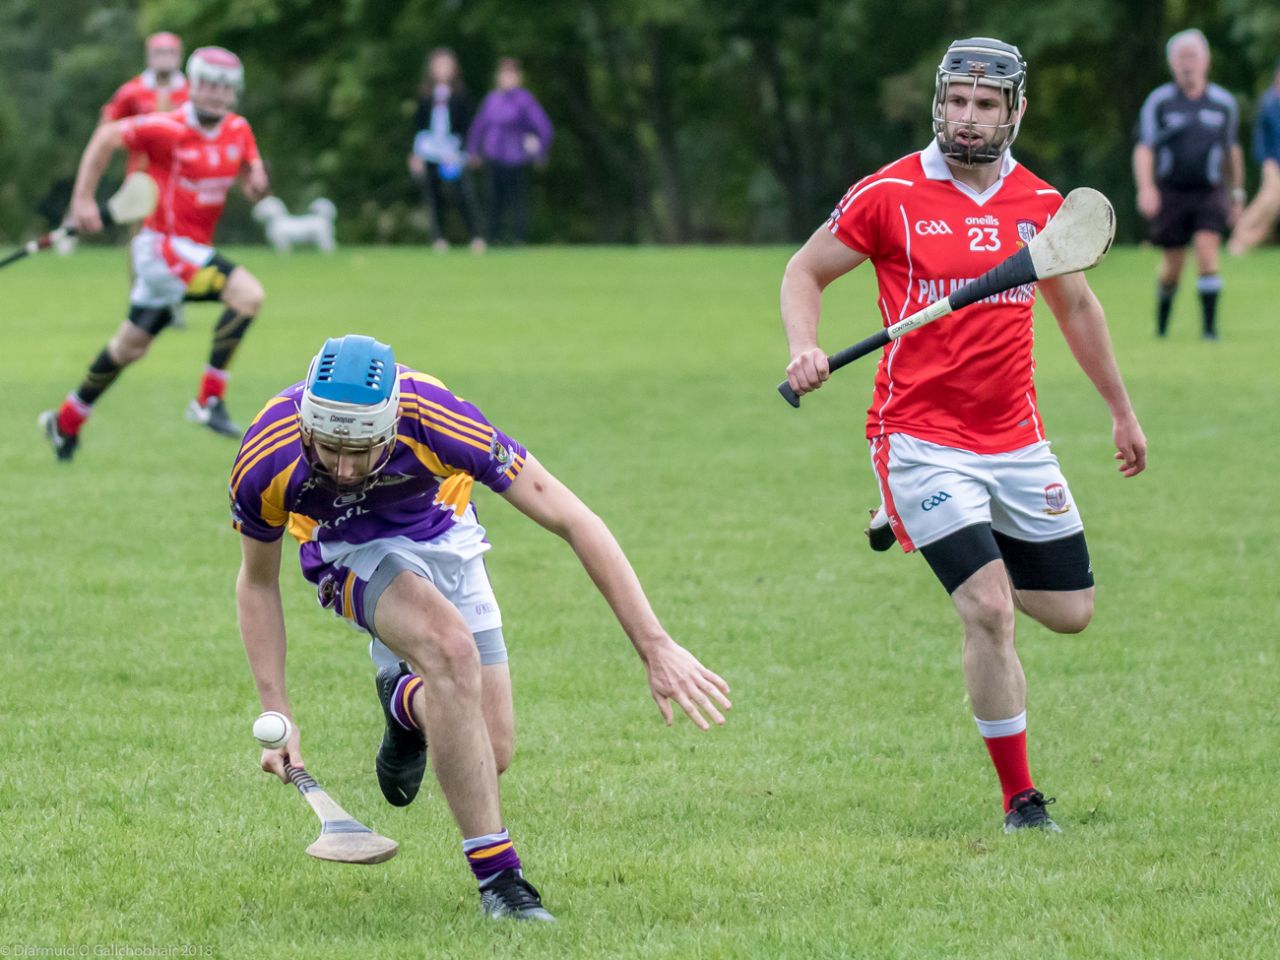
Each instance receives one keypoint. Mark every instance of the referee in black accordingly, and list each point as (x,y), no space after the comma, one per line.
(1190,173)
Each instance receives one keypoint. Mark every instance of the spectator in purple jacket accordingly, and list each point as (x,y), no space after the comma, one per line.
(510,133)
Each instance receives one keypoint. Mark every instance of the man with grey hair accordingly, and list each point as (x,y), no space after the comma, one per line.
(1190,174)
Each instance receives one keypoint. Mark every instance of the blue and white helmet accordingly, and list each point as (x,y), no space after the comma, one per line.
(352,396)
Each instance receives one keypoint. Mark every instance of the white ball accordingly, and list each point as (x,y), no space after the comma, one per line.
(272,730)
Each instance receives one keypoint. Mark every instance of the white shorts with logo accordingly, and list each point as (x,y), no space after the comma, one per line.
(163,266)
(453,563)
(930,491)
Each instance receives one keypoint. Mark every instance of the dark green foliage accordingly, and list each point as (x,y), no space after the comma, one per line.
(690,121)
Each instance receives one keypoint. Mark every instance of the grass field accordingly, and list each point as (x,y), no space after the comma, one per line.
(846,810)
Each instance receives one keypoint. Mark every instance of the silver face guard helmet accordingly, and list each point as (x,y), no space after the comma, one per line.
(351,404)
(987,62)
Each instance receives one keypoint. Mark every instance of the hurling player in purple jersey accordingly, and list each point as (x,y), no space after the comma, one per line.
(370,466)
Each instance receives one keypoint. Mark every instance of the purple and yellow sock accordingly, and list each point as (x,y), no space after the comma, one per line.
(402,701)
(489,855)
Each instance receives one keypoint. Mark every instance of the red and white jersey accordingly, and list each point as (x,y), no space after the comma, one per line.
(142,95)
(193,167)
(966,380)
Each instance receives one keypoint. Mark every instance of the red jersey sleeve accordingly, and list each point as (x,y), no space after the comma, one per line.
(858,219)
(153,134)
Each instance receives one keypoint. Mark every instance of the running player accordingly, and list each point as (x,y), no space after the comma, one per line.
(195,154)
(158,89)
(957,442)
(371,467)
(1190,174)
(1261,214)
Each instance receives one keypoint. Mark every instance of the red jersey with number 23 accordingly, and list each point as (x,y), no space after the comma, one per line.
(966,380)
(193,167)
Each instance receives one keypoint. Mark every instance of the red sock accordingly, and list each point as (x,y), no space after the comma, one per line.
(1009,754)
(72,415)
(214,384)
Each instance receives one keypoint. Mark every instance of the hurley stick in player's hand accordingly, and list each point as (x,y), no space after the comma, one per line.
(1076,239)
(134,201)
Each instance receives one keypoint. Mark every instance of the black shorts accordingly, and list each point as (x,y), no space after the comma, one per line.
(1058,565)
(1183,213)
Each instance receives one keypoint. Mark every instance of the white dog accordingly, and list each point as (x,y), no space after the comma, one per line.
(284,229)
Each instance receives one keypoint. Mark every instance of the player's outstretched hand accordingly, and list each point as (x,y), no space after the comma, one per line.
(675,674)
(1131,445)
(808,370)
(273,761)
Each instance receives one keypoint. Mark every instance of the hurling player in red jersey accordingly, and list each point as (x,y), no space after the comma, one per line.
(957,443)
(159,88)
(195,153)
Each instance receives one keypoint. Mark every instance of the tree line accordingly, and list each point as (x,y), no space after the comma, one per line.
(677,120)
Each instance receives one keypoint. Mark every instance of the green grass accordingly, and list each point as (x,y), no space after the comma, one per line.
(847,810)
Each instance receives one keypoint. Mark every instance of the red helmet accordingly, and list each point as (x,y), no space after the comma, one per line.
(215,65)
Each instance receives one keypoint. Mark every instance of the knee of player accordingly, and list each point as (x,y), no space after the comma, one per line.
(1074,619)
(448,658)
(246,295)
(988,612)
(127,350)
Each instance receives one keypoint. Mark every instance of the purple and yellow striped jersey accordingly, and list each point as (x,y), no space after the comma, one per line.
(443,445)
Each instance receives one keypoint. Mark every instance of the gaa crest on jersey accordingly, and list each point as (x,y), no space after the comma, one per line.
(1026,230)
(1055,498)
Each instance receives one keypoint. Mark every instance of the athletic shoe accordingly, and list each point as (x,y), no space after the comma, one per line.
(880,533)
(1027,812)
(402,757)
(64,445)
(213,414)
(510,895)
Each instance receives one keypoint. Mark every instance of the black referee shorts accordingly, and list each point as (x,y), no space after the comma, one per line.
(1183,213)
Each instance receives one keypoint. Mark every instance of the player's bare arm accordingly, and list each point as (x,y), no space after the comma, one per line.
(1235,185)
(106,140)
(821,260)
(674,673)
(261,617)
(1084,326)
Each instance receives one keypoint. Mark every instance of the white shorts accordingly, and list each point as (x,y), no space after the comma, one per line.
(163,266)
(454,563)
(930,491)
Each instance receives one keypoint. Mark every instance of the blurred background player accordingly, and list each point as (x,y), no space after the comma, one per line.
(1190,174)
(195,153)
(158,89)
(510,134)
(371,467)
(957,444)
(1260,216)
(438,161)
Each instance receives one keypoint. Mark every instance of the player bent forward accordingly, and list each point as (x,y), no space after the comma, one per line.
(957,443)
(195,154)
(371,466)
